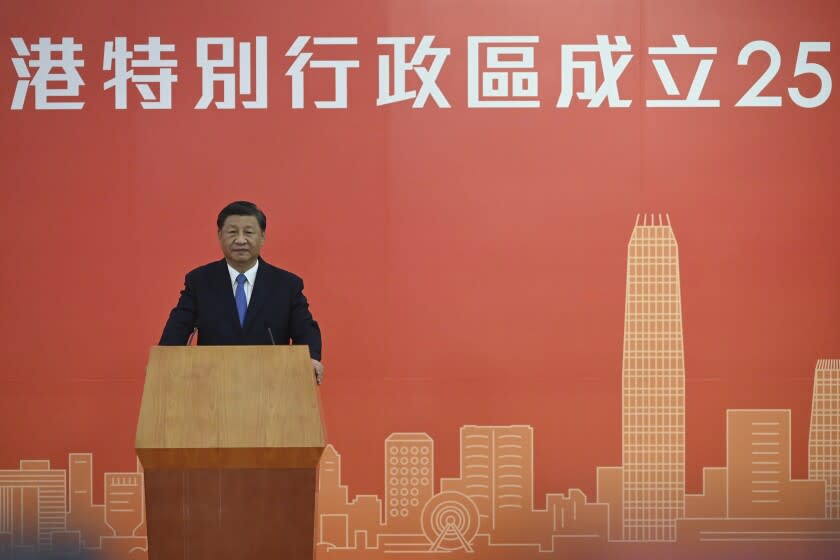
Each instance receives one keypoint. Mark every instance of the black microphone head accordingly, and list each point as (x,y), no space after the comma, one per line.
(192,335)
(270,334)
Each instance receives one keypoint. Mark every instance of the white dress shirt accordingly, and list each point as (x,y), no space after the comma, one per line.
(250,278)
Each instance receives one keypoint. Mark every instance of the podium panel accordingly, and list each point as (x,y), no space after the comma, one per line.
(230,438)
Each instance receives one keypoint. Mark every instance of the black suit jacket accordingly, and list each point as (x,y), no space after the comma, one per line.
(277,302)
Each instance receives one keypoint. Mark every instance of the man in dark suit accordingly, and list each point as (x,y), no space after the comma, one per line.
(242,299)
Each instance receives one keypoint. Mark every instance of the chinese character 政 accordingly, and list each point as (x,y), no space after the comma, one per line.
(428,76)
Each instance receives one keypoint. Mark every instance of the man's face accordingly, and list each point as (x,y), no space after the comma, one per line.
(241,239)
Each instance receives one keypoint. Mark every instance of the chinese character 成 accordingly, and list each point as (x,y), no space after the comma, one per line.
(612,71)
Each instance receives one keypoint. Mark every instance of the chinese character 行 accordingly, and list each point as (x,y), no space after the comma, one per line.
(340,67)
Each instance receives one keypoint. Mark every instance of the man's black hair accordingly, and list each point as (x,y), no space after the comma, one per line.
(241,208)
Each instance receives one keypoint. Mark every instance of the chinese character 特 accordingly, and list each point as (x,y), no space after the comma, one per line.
(118,58)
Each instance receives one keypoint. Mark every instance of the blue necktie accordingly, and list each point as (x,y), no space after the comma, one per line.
(241,302)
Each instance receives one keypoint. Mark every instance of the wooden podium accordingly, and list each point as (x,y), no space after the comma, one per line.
(230,438)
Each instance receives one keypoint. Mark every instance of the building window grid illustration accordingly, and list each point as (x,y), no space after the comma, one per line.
(824,443)
(653,387)
(50,489)
(409,477)
(500,457)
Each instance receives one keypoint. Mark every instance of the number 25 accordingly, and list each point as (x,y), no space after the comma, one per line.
(752,97)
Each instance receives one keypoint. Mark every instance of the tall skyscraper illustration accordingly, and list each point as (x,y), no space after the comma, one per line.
(823,441)
(653,386)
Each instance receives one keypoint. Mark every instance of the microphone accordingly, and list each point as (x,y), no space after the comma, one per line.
(270,334)
(192,334)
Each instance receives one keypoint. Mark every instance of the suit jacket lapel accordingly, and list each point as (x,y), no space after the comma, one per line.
(225,294)
(258,296)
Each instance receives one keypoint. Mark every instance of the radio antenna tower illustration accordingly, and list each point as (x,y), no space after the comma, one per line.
(450,522)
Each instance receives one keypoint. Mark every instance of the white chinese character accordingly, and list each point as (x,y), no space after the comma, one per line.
(507,78)
(340,67)
(693,98)
(209,75)
(65,67)
(117,57)
(612,71)
(428,76)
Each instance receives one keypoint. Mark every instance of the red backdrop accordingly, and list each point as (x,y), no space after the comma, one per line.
(467,265)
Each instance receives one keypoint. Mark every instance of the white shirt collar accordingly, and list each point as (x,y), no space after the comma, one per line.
(250,274)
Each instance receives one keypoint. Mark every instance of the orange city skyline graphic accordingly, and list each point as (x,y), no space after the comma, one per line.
(488,509)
